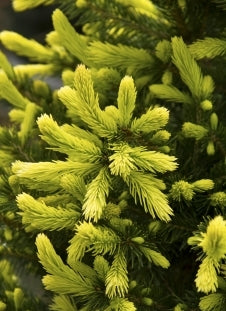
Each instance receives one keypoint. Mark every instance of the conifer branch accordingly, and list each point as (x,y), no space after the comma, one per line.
(61,278)
(117,279)
(148,190)
(37,215)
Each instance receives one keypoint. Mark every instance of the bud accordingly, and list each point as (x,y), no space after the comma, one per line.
(81,3)
(167,77)
(191,130)
(206,105)
(160,137)
(68,77)
(132,284)
(218,199)
(14,278)
(10,215)
(16,115)
(8,234)
(203,185)
(122,204)
(182,4)
(210,149)
(163,51)
(154,226)
(213,121)
(124,195)
(147,301)
(164,149)
(180,307)
(2,306)
(145,291)
(138,240)
(41,88)
(9,294)
(18,296)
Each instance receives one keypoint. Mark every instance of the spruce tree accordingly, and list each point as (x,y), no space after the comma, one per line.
(112,187)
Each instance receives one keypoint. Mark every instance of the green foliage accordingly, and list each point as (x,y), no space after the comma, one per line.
(112,186)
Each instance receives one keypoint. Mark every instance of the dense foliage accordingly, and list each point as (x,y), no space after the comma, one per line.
(112,187)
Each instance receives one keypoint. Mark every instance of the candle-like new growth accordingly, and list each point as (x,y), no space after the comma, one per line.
(191,130)
(69,38)
(22,5)
(26,47)
(153,120)
(37,215)
(126,100)
(206,278)
(76,148)
(213,244)
(116,278)
(214,240)
(95,197)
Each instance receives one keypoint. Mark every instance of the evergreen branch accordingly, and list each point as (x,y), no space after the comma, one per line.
(83,103)
(27,124)
(101,266)
(170,93)
(121,162)
(30,70)
(22,5)
(122,304)
(117,278)
(191,130)
(95,197)
(120,56)
(147,189)
(61,278)
(153,161)
(213,302)
(153,120)
(9,92)
(84,270)
(209,47)
(98,239)
(37,215)
(74,130)
(206,278)
(155,257)
(26,47)
(6,66)
(46,176)
(126,100)
(57,199)
(70,39)
(74,185)
(77,148)
(189,70)
(126,159)
(126,21)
